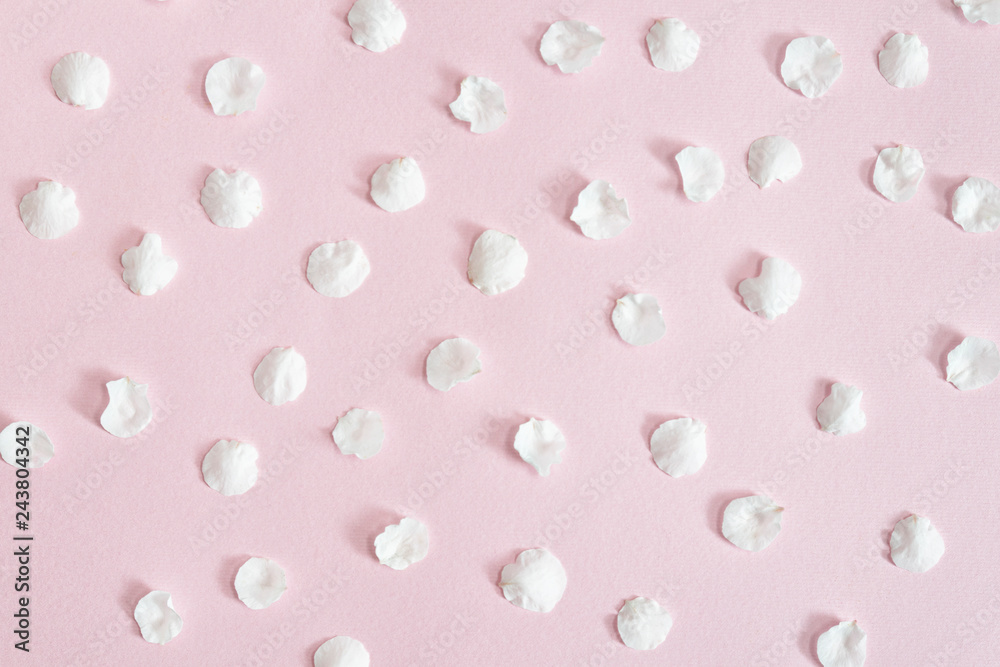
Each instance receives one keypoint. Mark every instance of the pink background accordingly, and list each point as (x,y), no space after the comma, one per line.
(888,289)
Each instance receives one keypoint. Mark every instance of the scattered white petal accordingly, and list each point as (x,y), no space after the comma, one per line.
(679,446)
(811,65)
(82,80)
(480,103)
(572,45)
(843,645)
(643,624)
(497,262)
(773,158)
(280,376)
(337,269)
(230,467)
(701,172)
(840,413)
(398,185)
(638,319)
(260,582)
(49,211)
(231,200)
(452,361)
(980,10)
(752,523)
(359,432)
(974,363)
(903,61)
(147,269)
(402,544)
(898,172)
(157,620)
(40,448)
(535,581)
(774,291)
(540,443)
(916,545)
(672,45)
(341,652)
(128,410)
(599,212)
(232,86)
(376,24)
(975,206)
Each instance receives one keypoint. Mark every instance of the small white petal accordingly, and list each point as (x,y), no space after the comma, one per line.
(679,446)
(40,448)
(398,185)
(497,262)
(260,582)
(147,269)
(49,211)
(599,212)
(403,544)
(771,159)
(976,205)
(980,10)
(337,269)
(898,172)
(572,45)
(480,103)
(701,172)
(752,523)
(840,412)
(974,363)
(156,617)
(280,376)
(811,65)
(843,645)
(359,432)
(230,467)
(341,652)
(376,24)
(128,410)
(643,624)
(540,443)
(81,80)
(638,319)
(915,544)
(232,86)
(535,581)
(672,45)
(774,291)
(903,61)
(452,361)
(231,200)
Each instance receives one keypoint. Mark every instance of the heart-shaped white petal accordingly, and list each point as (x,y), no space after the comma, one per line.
(452,361)
(898,172)
(376,25)
(811,65)
(599,212)
(752,522)
(232,86)
(702,172)
(337,269)
(231,200)
(638,319)
(915,544)
(540,443)
(481,104)
(403,544)
(572,45)
(843,645)
(903,61)
(840,412)
(774,291)
(158,621)
(673,46)
(280,376)
(973,363)
(535,581)
(49,211)
(679,446)
(128,410)
(497,262)
(360,433)
(771,159)
(398,185)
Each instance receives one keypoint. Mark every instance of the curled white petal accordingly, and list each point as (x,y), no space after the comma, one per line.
(773,158)
(540,443)
(679,446)
(81,80)
(987,11)
(25,434)
(774,291)
(337,269)
(231,200)
(280,376)
(376,24)
(843,645)
(898,172)
(481,104)
(672,45)
(359,432)
(840,413)
(403,544)
(701,172)
(230,467)
(128,410)
(973,363)
(915,544)
(398,185)
(752,522)
(452,361)
(232,86)
(903,61)
(572,45)
(497,262)
(599,212)
(260,582)
(535,581)
(811,65)
(156,617)
(638,319)
(643,624)
(341,652)
(49,211)
(147,269)
(976,205)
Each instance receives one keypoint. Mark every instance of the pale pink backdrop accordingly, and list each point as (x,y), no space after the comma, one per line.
(888,289)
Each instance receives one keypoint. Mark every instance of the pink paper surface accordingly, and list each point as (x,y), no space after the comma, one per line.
(888,289)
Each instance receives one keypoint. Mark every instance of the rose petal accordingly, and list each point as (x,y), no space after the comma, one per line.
(280,376)
(535,581)
(811,65)
(81,80)
(49,211)
(403,544)
(752,523)
(232,86)
(540,443)
(572,45)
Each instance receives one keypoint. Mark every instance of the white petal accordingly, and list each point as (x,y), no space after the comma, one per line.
(916,545)
(843,645)
(752,523)
(376,24)
(535,581)
(811,65)
(398,185)
(49,211)
(771,159)
(638,319)
(452,361)
(403,544)
(774,291)
(232,86)
(672,45)
(82,80)
(260,582)
(157,620)
(974,363)
(337,269)
(840,412)
(701,171)
(480,103)
(643,624)
(40,448)
(572,45)
(898,172)
(599,212)
(497,262)
(980,10)
(341,652)
(976,205)
(230,467)
(679,446)
(128,410)
(231,200)
(280,376)
(359,432)
(147,269)
(540,443)
(903,61)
